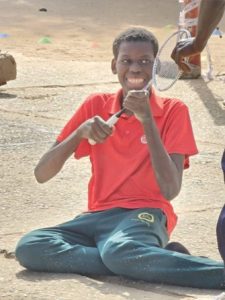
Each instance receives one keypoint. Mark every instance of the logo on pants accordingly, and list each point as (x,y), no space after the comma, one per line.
(146,217)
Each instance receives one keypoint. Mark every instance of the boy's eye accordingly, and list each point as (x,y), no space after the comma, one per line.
(141,62)
(125,61)
(145,62)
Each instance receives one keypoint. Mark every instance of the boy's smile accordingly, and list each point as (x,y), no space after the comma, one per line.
(133,65)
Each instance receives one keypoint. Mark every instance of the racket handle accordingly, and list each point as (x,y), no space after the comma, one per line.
(112,121)
(91,142)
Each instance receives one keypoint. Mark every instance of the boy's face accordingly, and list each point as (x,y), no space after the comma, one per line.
(133,65)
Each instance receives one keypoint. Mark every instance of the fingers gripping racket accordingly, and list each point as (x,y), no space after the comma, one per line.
(111,121)
(165,71)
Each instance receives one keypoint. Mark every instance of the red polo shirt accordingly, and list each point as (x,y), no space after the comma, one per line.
(122,175)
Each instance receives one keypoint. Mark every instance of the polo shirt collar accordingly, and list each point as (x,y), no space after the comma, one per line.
(113,105)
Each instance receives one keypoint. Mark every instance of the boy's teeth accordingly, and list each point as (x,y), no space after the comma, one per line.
(135,80)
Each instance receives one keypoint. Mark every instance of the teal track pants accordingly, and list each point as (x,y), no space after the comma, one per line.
(117,242)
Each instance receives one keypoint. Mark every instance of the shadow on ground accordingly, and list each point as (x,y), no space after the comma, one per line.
(118,284)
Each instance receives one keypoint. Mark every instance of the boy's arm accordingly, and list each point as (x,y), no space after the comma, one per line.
(53,160)
(168,169)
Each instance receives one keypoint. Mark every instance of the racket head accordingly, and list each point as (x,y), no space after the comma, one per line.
(165,71)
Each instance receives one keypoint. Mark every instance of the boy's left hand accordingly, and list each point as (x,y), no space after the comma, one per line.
(137,101)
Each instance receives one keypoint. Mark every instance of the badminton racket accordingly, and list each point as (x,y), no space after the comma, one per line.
(165,71)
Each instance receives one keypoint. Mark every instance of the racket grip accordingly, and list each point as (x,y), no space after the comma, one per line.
(111,121)
(91,142)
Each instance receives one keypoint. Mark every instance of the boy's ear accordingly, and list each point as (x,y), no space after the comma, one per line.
(113,66)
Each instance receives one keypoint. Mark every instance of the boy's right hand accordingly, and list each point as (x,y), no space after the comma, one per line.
(96,129)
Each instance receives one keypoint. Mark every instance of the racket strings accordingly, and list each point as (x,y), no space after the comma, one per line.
(165,71)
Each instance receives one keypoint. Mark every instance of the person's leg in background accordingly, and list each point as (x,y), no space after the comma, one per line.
(220,227)
(223,165)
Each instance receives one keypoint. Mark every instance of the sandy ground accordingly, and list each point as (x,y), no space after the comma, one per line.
(52,81)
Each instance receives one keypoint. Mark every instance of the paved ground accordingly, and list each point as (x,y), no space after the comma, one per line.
(52,81)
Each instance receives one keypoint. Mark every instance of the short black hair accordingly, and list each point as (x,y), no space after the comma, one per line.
(135,34)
